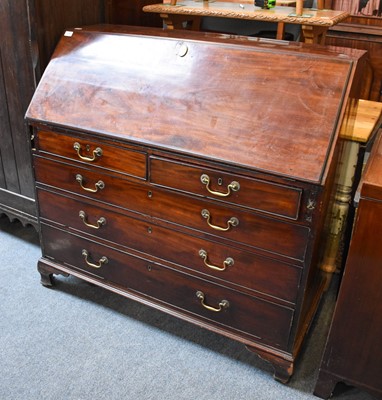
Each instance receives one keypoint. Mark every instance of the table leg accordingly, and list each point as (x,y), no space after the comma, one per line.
(314,34)
(181,22)
(280,31)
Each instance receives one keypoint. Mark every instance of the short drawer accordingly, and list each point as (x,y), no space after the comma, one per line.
(222,263)
(91,152)
(251,193)
(261,320)
(272,235)
(92,183)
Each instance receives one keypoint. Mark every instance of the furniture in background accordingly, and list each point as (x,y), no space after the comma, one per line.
(362,30)
(153,190)
(129,12)
(314,23)
(353,352)
(358,132)
(29,33)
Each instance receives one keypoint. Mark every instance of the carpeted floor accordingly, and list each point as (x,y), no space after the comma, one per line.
(80,342)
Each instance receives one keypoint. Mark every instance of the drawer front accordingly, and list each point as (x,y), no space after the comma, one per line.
(109,189)
(273,236)
(251,193)
(209,258)
(97,154)
(261,320)
(260,232)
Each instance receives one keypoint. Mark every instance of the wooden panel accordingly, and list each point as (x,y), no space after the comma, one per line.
(353,352)
(269,323)
(53,17)
(253,230)
(104,155)
(254,194)
(201,117)
(363,33)
(17,78)
(130,13)
(249,271)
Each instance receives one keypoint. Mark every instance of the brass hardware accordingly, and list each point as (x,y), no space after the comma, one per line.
(98,186)
(222,305)
(228,262)
(233,186)
(233,221)
(311,204)
(101,221)
(102,260)
(96,153)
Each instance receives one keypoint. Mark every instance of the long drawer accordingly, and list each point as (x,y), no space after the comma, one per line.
(262,320)
(254,194)
(98,154)
(225,263)
(233,224)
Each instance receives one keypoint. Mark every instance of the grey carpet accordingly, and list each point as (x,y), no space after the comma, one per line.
(80,342)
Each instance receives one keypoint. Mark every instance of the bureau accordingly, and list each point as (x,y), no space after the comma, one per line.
(174,169)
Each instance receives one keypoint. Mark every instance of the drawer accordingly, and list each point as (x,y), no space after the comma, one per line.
(105,188)
(251,193)
(208,258)
(261,320)
(94,153)
(258,231)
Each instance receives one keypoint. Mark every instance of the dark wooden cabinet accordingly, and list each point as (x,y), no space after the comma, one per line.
(363,32)
(195,186)
(353,352)
(129,12)
(29,30)
(17,83)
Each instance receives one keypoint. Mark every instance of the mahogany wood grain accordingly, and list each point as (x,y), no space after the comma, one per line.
(112,158)
(255,194)
(193,110)
(172,287)
(165,96)
(249,271)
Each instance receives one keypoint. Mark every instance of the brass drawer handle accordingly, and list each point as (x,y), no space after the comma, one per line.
(233,221)
(222,305)
(102,260)
(98,186)
(234,186)
(96,153)
(101,221)
(228,262)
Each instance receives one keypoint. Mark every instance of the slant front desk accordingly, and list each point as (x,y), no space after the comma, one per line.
(190,173)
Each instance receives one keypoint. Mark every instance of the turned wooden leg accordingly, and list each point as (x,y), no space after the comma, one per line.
(325,385)
(283,368)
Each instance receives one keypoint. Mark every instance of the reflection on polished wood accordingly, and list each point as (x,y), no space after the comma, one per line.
(314,23)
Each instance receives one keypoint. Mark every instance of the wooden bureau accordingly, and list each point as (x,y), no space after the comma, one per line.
(173,168)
